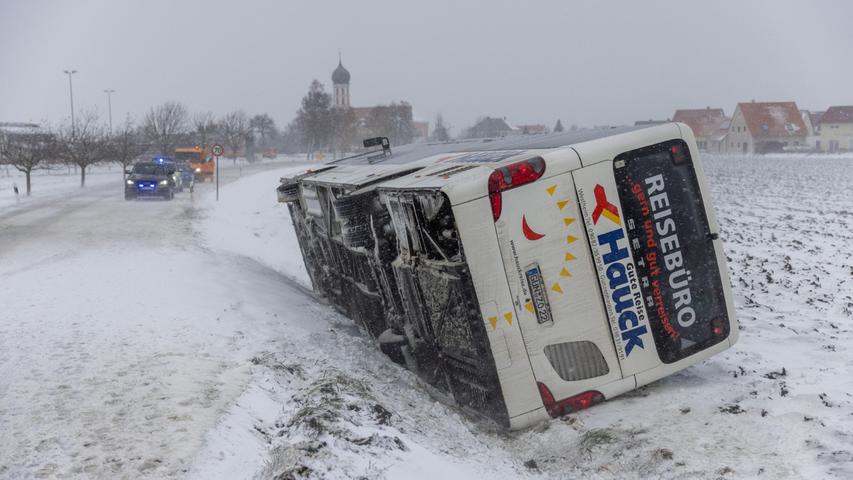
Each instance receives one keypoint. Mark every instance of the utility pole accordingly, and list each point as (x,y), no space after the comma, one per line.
(110,93)
(71,93)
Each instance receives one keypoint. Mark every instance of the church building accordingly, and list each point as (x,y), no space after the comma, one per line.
(341,92)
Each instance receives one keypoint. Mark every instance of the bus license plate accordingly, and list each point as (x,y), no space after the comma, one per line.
(537,292)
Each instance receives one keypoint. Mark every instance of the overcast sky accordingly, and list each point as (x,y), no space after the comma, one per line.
(532,62)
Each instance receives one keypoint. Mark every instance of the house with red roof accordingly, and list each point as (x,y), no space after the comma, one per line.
(709,126)
(765,127)
(836,129)
(812,120)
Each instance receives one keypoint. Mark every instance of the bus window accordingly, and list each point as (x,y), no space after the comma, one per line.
(673,248)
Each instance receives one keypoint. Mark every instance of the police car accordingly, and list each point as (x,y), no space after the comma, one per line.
(155,178)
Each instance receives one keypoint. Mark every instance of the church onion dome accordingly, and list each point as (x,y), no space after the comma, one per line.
(340,75)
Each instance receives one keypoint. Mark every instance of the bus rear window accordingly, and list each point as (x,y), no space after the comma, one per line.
(674,254)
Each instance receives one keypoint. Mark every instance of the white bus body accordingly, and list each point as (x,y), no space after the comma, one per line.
(530,276)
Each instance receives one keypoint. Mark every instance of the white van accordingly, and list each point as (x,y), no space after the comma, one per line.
(529,276)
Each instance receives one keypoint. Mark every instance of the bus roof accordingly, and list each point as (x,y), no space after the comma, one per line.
(435,165)
(416,151)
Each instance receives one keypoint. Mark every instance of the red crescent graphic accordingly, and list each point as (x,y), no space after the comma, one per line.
(528,232)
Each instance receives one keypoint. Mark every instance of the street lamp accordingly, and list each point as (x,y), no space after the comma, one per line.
(109,93)
(71,93)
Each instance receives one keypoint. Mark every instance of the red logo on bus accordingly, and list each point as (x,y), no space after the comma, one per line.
(604,207)
(528,232)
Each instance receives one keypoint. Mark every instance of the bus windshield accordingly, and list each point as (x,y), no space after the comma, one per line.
(673,248)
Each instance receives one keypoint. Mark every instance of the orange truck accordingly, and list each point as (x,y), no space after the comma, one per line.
(200,160)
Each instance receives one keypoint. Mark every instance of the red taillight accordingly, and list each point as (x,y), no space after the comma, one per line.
(717,326)
(547,397)
(511,176)
(574,403)
(495,194)
(677,154)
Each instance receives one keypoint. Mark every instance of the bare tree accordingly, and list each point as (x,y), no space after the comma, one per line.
(235,129)
(27,152)
(126,144)
(205,127)
(313,120)
(344,130)
(84,145)
(393,121)
(440,131)
(165,125)
(290,140)
(264,126)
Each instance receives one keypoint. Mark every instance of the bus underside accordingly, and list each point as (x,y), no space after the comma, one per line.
(393,262)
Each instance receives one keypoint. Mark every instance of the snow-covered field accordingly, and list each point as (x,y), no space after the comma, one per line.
(48,185)
(159,340)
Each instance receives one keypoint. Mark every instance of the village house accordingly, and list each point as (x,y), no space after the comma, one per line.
(10,131)
(709,126)
(836,129)
(764,127)
(421,130)
(488,127)
(812,121)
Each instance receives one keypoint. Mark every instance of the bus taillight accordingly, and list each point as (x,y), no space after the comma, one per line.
(574,403)
(511,176)
(678,156)
(717,326)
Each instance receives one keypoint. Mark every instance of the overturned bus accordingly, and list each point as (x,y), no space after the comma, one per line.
(524,277)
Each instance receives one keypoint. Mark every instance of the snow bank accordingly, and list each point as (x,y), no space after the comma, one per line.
(345,410)
(248,221)
(50,185)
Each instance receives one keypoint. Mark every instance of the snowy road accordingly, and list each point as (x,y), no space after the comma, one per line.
(122,339)
(163,340)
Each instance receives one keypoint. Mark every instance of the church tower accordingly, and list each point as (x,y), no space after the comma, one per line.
(340,80)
